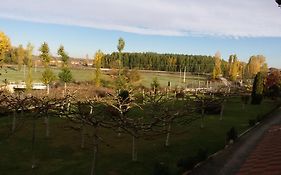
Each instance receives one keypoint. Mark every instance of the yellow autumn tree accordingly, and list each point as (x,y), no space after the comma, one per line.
(20,56)
(97,62)
(29,51)
(255,64)
(234,67)
(5,46)
(217,67)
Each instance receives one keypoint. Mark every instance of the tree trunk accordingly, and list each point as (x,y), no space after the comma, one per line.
(222,110)
(96,142)
(243,105)
(167,142)
(202,116)
(47,126)
(33,143)
(184,74)
(82,136)
(48,89)
(64,88)
(119,132)
(14,121)
(134,149)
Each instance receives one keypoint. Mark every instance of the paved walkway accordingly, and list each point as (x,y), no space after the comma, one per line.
(230,160)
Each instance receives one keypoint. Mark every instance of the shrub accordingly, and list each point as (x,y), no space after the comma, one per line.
(245,99)
(273,91)
(189,162)
(124,95)
(186,163)
(252,122)
(232,134)
(161,169)
(259,118)
(202,154)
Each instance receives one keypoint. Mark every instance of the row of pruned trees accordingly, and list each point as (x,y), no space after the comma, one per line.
(153,114)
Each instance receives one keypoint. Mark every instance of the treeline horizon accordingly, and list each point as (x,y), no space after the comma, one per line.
(160,61)
(233,68)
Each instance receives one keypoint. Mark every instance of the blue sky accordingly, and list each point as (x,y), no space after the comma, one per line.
(166,26)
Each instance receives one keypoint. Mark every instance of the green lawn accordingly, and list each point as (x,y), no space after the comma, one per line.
(87,73)
(60,154)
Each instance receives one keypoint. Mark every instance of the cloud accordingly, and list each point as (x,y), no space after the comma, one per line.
(239,18)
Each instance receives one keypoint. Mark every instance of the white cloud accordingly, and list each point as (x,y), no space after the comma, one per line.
(234,18)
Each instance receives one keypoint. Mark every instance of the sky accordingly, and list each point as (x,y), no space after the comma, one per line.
(202,27)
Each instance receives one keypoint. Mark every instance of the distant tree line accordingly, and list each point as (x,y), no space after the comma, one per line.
(232,69)
(160,62)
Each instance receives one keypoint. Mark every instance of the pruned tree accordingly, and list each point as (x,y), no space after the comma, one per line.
(16,104)
(208,104)
(88,113)
(164,112)
(119,105)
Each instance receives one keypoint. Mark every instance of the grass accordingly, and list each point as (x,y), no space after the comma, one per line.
(60,154)
(86,74)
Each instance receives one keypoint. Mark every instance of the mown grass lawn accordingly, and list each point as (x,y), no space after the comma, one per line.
(61,153)
(81,74)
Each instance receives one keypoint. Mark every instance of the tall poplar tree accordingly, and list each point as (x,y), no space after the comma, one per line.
(234,67)
(217,67)
(20,56)
(120,81)
(97,62)
(28,81)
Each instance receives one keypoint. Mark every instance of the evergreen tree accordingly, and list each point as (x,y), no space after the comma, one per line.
(258,89)
(47,76)
(45,54)
(65,75)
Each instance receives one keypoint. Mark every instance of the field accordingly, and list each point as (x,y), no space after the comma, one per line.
(86,74)
(61,153)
